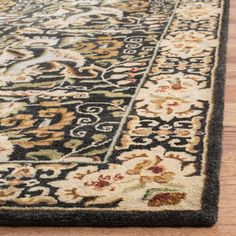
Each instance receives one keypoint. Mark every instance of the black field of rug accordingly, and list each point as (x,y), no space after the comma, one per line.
(111,111)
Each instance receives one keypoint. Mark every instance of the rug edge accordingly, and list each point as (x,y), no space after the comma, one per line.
(210,197)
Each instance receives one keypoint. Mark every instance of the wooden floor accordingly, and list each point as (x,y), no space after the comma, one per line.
(227,214)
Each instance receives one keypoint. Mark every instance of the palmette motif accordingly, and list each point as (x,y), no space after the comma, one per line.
(106,103)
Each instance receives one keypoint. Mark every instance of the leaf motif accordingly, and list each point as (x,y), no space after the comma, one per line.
(161,199)
(164,177)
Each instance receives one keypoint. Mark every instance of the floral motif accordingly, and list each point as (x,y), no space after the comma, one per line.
(189,44)
(198,11)
(6,148)
(139,170)
(8,108)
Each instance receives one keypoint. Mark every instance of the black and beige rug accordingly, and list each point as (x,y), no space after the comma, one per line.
(111,111)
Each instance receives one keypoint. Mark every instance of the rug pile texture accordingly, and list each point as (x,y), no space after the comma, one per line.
(111,111)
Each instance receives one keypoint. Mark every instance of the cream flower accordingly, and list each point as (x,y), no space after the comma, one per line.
(198,11)
(9,108)
(189,43)
(6,148)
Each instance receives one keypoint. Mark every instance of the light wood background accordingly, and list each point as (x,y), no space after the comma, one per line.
(227,214)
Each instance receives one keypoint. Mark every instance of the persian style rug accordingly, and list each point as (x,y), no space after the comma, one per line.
(111,111)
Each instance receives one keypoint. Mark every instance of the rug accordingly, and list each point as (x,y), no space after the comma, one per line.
(111,111)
